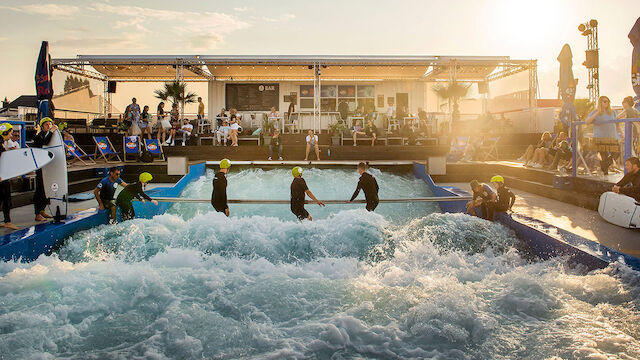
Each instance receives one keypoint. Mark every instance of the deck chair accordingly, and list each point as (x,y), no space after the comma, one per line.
(131,147)
(154,147)
(458,147)
(74,152)
(105,149)
(489,149)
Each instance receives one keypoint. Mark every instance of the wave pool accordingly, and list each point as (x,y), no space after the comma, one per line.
(404,282)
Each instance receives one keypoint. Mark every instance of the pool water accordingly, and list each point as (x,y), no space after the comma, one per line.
(399,283)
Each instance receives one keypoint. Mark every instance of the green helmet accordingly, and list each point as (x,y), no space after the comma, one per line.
(497,178)
(44,120)
(225,164)
(145,177)
(296,171)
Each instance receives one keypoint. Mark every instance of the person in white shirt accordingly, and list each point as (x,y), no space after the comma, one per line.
(273,118)
(13,142)
(186,131)
(223,131)
(312,141)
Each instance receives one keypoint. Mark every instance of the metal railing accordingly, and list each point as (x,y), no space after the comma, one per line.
(628,141)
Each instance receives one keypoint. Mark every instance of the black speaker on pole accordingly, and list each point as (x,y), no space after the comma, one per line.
(111,87)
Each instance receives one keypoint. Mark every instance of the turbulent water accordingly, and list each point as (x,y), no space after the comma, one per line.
(194,284)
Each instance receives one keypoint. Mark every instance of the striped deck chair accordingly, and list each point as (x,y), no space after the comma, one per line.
(75,152)
(489,149)
(458,147)
(105,149)
(131,147)
(154,147)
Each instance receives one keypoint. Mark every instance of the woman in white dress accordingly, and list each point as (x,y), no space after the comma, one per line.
(163,123)
(233,123)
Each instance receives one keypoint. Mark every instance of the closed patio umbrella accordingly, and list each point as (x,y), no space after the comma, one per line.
(44,85)
(634,36)
(567,87)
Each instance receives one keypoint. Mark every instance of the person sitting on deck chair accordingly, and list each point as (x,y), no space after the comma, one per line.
(134,190)
(186,129)
(369,185)
(6,130)
(298,190)
(357,130)
(505,200)
(223,132)
(105,190)
(482,194)
(632,178)
(219,193)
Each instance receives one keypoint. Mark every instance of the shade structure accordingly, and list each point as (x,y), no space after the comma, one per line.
(131,71)
(634,36)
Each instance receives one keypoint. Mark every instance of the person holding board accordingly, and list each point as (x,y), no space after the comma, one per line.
(47,128)
(6,130)
(135,190)
(369,186)
(298,190)
(219,194)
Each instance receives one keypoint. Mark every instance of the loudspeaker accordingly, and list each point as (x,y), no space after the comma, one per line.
(111,87)
(483,87)
(591,61)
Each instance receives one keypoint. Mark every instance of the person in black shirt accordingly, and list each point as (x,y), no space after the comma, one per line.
(632,165)
(369,185)
(219,194)
(505,199)
(135,190)
(6,130)
(298,190)
(276,142)
(40,201)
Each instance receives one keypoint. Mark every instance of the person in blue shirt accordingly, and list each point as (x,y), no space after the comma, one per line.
(605,135)
(105,190)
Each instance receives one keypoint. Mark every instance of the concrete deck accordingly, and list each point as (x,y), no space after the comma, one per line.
(578,220)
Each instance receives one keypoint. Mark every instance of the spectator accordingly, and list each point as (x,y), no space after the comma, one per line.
(276,142)
(134,116)
(105,190)
(174,125)
(401,114)
(312,142)
(561,151)
(273,118)
(233,123)
(483,194)
(13,141)
(223,131)
(185,131)
(291,113)
(371,131)
(391,111)
(220,118)
(164,125)
(343,109)
(533,153)
(629,112)
(407,131)
(605,135)
(145,122)
(632,178)
(357,130)
(200,109)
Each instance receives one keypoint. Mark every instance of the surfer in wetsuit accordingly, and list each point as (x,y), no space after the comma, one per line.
(369,186)
(135,190)
(298,190)
(632,178)
(40,201)
(482,194)
(6,130)
(505,200)
(219,194)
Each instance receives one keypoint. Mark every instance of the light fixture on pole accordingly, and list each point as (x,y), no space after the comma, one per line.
(592,62)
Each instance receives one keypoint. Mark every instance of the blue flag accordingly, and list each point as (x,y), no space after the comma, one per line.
(44,85)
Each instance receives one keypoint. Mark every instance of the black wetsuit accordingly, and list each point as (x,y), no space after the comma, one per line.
(126,196)
(633,190)
(298,192)
(40,200)
(486,194)
(503,203)
(5,194)
(219,194)
(369,185)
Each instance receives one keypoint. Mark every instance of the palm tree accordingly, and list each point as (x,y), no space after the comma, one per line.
(176,92)
(452,92)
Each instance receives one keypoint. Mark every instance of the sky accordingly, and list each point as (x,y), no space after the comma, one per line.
(515,28)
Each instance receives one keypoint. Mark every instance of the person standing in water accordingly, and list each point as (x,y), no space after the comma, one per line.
(298,190)
(135,190)
(219,194)
(369,186)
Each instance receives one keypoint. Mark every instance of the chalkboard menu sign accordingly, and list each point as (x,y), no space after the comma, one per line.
(252,97)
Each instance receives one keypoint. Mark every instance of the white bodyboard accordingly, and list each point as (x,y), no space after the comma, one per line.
(56,187)
(620,210)
(15,163)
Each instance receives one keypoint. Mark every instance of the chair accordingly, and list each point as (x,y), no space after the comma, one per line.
(394,125)
(75,152)
(202,124)
(130,146)
(290,124)
(458,147)
(489,149)
(154,147)
(105,148)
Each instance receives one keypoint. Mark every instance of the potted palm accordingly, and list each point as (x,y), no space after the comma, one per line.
(335,130)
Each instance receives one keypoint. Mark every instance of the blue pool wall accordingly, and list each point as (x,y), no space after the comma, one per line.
(537,234)
(28,244)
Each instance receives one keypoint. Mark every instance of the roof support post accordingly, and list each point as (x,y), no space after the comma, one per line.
(533,91)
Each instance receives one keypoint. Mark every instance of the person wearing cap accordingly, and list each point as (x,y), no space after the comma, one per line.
(369,186)
(6,130)
(298,190)
(219,193)
(482,194)
(135,190)
(505,199)
(47,128)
